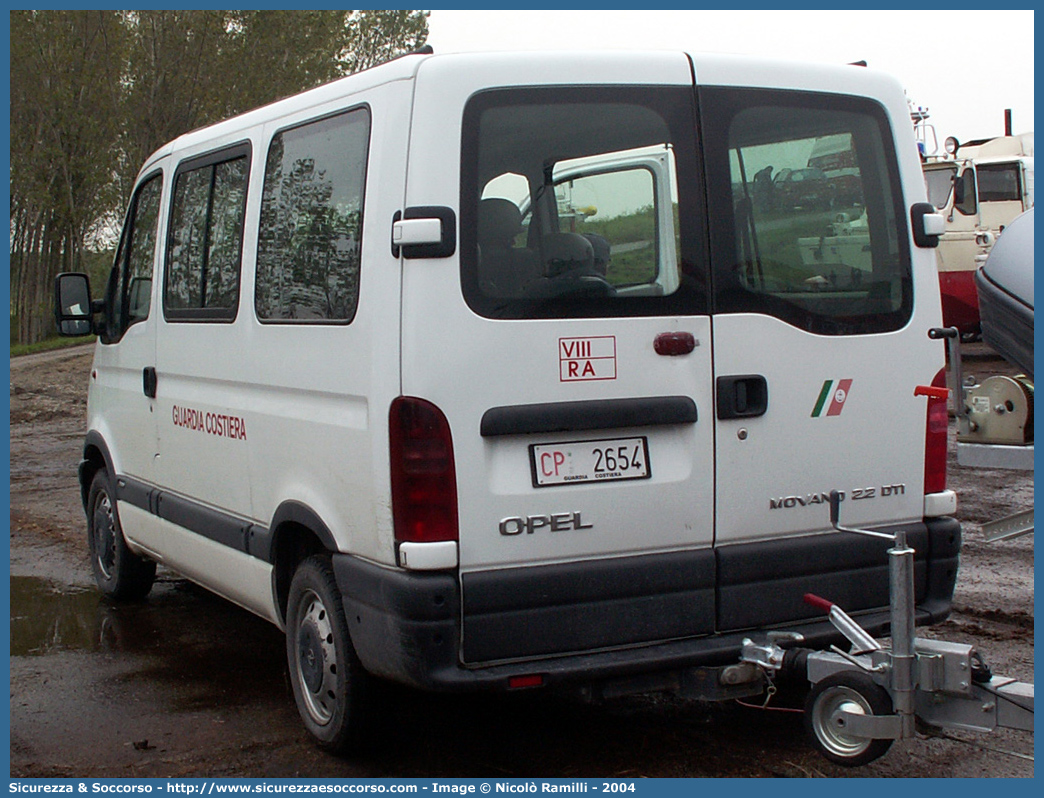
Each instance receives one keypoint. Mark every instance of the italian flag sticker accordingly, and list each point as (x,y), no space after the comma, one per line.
(832,396)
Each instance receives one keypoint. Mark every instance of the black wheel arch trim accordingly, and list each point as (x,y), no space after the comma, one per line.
(92,441)
(299,514)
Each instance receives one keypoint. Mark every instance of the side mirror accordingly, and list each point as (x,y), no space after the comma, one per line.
(72,305)
(928,225)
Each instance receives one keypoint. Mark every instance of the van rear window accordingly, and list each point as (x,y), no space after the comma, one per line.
(571,203)
(808,220)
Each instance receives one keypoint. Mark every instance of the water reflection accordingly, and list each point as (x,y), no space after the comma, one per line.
(203,650)
(46,617)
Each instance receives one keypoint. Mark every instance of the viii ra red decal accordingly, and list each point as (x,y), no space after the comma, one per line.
(832,398)
(583,359)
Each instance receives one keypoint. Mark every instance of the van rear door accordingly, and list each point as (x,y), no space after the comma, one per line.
(818,346)
(567,341)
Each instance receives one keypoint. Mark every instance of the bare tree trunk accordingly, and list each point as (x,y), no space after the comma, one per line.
(42,247)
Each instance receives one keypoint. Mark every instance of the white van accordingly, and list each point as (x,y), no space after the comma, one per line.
(501,371)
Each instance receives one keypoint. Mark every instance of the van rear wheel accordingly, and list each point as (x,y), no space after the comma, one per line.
(119,573)
(330,685)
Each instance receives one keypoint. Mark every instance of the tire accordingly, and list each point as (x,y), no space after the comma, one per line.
(855,692)
(331,688)
(119,573)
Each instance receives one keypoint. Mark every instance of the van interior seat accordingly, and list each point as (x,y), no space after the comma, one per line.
(566,253)
(504,270)
(601,248)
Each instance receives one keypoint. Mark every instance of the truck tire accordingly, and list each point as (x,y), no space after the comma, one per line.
(119,573)
(331,688)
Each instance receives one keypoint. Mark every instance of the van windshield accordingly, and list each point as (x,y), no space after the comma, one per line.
(570,203)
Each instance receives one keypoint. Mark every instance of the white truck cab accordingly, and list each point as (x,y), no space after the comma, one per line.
(979,188)
(491,371)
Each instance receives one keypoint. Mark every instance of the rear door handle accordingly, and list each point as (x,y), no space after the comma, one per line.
(742,396)
(148,381)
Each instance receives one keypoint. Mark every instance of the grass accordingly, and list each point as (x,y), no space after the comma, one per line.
(17,350)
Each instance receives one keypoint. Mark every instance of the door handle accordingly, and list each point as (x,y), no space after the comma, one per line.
(742,396)
(148,381)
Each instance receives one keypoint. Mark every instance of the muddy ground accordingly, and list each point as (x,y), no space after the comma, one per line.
(186,684)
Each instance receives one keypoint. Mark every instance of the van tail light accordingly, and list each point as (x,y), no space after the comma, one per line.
(935,437)
(423,475)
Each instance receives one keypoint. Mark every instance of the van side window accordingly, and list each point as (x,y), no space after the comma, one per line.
(813,229)
(205,241)
(580,203)
(130,283)
(311,221)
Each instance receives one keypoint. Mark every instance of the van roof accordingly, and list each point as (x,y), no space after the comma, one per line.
(710,69)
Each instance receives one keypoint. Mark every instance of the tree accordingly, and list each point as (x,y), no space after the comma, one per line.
(94,93)
(192,68)
(63,132)
(373,37)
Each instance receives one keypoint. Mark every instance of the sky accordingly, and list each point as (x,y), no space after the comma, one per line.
(965,67)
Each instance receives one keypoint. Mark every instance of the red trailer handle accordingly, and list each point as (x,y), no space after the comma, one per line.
(932,392)
(818,603)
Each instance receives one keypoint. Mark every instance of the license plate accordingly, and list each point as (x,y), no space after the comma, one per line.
(589,461)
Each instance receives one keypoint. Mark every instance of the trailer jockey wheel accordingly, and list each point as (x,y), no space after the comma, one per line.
(850,691)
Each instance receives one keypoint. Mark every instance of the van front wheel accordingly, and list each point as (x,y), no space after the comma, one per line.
(119,572)
(330,685)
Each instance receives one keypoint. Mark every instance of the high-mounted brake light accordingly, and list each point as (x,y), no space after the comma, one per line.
(423,475)
(935,437)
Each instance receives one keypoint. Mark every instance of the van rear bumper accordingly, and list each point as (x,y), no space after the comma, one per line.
(406,626)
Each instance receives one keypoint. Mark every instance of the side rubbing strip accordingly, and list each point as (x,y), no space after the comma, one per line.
(575,416)
(236,533)
(135,493)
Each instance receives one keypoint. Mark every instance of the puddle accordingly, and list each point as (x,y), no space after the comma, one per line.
(200,650)
(46,617)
